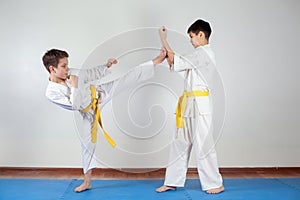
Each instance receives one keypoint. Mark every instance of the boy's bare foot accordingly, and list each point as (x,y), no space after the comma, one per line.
(111,61)
(215,190)
(165,188)
(84,186)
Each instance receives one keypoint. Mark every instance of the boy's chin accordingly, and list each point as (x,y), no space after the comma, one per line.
(195,45)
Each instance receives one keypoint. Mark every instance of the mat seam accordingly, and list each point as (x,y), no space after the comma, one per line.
(287,184)
(186,194)
(70,186)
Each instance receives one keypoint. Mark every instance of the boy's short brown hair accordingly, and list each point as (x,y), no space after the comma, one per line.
(51,58)
(200,25)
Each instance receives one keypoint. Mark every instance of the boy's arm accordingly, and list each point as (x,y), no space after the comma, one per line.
(165,44)
(62,100)
(69,101)
(176,63)
(185,62)
(75,96)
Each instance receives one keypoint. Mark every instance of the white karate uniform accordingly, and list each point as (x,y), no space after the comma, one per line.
(199,68)
(79,98)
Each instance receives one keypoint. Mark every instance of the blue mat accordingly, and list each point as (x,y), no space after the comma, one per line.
(236,189)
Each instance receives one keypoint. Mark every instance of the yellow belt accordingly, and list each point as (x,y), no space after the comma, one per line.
(182,104)
(94,105)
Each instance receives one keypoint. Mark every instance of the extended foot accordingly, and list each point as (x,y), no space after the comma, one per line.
(84,186)
(165,188)
(215,190)
(161,57)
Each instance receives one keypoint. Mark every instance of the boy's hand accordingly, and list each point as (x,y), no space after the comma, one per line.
(111,61)
(163,33)
(73,80)
(170,58)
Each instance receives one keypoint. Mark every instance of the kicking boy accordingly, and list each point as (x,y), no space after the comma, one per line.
(63,91)
(193,114)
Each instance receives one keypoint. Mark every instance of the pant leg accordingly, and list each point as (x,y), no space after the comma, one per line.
(137,74)
(206,156)
(87,146)
(179,157)
(107,91)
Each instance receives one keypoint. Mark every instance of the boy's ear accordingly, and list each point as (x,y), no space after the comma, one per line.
(51,68)
(201,34)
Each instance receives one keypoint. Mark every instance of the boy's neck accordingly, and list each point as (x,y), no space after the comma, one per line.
(204,42)
(55,79)
(201,45)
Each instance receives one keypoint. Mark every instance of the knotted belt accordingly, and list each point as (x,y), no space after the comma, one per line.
(181,105)
(94,105)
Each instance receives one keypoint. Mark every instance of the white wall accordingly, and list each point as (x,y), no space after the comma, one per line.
(257,46)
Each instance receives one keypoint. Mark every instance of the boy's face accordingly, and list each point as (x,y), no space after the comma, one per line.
(196,39)
(62,69)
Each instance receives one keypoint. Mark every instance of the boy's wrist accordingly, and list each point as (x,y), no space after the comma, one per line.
(163,39)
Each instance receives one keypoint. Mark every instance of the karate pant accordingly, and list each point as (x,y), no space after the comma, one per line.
(196,133)
(105,92)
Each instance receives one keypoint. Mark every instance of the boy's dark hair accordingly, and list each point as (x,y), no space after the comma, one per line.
(200,25)
(51,58)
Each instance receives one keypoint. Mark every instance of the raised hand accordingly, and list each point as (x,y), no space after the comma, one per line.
(163,33)
(73,79)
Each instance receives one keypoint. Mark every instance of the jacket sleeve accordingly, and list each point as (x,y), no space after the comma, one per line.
(71,102)
(76,97)
(190,61)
